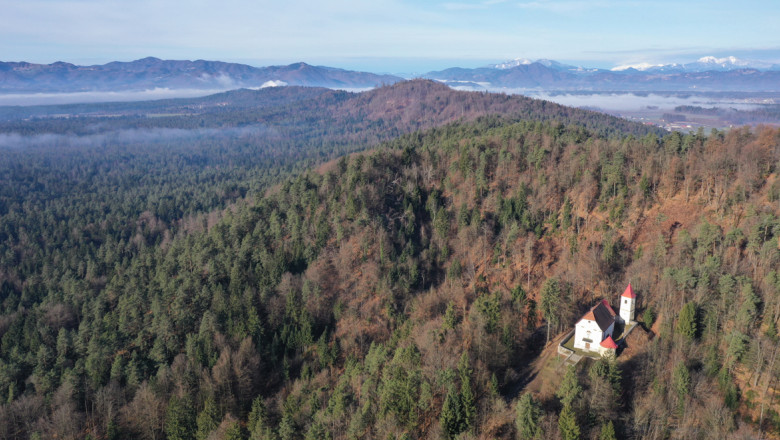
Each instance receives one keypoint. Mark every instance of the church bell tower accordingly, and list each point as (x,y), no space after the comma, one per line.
(627,304)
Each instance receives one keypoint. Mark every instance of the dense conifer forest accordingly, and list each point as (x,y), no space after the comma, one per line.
(226,288)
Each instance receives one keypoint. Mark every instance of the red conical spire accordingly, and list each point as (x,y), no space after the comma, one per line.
(629,292)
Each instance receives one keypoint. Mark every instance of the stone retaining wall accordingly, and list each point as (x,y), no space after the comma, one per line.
(563,350)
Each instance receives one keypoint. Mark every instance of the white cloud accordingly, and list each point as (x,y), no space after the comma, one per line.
(273,83)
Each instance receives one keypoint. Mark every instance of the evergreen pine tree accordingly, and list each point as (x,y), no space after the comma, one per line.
(451,418)
(570,388)
(287,428)
(179,419)
(527,418)
(681,383)
(493,385)
(257,418)
(686,323)
(607,431)
(233,432)
(208,419)
(567,424)
(467,400)
(550,295)
(317,432)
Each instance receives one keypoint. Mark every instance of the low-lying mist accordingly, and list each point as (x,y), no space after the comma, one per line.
(133,136)
(633,102)
(25,99)
(90,97)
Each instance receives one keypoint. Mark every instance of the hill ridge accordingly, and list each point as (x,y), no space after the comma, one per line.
(150,72)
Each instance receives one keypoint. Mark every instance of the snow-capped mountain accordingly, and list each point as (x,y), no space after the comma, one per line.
(643,67)
(703,64)
(552,64)
(705,74)
(709,63)
(511,63)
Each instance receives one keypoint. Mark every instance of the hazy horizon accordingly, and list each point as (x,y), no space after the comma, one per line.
(390,36)
(409,67)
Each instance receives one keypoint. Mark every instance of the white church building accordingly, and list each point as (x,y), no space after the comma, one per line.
(594,331)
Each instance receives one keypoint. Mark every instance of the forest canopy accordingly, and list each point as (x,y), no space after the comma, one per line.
(221,290)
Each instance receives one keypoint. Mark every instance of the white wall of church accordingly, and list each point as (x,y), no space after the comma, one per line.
(589,330)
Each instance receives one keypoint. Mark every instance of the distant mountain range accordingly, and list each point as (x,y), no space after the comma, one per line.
(151,73)
(704,64)
(708,74)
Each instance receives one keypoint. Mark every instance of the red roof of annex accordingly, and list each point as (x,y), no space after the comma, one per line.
(609,343)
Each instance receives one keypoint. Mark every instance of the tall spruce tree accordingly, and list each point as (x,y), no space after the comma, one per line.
(607,431)
(179,419)
(686,323)
(527,417)
(567,424)
(451,418)
(467,400)
(208,419)
(570,388)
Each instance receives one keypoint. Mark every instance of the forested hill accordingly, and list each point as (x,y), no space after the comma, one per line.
(304,112)
(402,293)
(67,167)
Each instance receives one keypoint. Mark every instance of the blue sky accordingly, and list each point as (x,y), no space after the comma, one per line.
(395,36)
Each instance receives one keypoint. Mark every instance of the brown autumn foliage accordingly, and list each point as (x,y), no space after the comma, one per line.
(359,302)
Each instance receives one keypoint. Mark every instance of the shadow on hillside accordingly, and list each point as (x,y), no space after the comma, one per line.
(534,346)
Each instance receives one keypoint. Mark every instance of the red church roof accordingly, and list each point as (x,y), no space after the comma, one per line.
(629,293)
(609,343)
(602,313)
(606,304)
